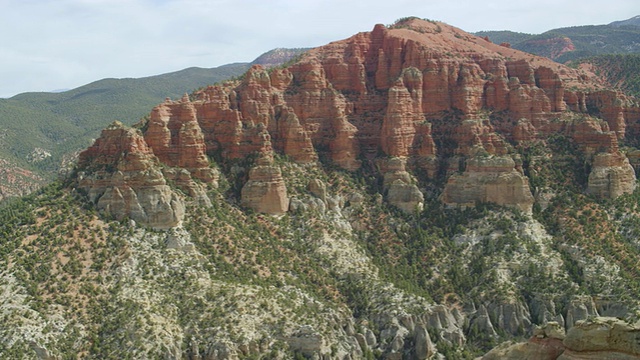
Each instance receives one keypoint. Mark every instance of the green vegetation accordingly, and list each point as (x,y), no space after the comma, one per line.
(84,286)
(588,41)
(280,57)
(63,123)
(115,285)
(402,20)
(594,40)
(63,256)
(504,36)
(634,21)
(622,71)
(401,23)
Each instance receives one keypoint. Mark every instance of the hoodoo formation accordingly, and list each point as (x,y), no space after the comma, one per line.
(417,101)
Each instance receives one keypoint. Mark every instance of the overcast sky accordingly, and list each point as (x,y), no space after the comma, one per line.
(61,44)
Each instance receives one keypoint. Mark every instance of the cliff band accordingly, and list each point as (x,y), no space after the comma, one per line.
(416,101)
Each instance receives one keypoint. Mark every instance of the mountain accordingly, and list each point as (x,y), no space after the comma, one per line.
(409,192)
(278,56)
(42,132)
(620,71)
(571,43)
(57,125)
(505,36)
(634,21)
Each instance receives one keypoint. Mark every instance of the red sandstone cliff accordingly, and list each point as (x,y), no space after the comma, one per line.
(419,91)
(123,177)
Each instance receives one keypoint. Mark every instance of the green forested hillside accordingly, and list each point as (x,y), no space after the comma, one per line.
(504,36)
(622,71)
(317,278)
(634,21)
(61,123)
(592,40)
(571,43)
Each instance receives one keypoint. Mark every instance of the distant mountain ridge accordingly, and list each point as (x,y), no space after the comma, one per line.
(571,43)
(278,56)
(62,123)
(620,71)
(634,21)
(65,122)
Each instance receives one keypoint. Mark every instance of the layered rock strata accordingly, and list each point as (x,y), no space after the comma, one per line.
(265,191)
(602,338)
(122,176)
(611,176)
(545,344)
(422,91)
(389,89)
(399,185)
(174,134)
(493,179)
(594,338)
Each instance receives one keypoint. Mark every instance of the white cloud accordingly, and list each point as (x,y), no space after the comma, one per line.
(67,43)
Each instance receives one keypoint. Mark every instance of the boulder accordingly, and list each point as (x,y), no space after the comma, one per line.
(306,341)
(423,347)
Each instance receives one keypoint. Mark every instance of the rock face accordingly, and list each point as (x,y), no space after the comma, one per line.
(389,90)
(423,92)
(594,338)
(123,177)
(611,176)
(553,47)
(306,341)
(265,191)
(489,179)
(277,57)
(177,140)
(602,338)
(545,344)
(400,185)
(424,348)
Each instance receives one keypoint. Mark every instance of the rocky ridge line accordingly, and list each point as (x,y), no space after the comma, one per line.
(435,98)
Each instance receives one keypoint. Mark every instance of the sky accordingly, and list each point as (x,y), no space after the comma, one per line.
(50,45)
